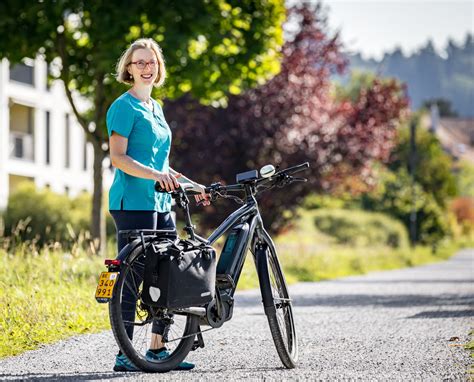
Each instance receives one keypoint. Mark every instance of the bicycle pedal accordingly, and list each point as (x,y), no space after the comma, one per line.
(224,281)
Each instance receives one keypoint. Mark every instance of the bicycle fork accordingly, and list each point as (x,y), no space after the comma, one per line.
(261,262)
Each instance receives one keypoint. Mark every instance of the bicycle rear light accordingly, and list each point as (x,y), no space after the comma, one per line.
(112,262)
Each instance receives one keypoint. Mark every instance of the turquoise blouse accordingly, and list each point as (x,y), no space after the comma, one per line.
(149,142)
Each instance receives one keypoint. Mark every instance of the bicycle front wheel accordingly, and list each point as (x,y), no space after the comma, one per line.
(280,319)
(133,323)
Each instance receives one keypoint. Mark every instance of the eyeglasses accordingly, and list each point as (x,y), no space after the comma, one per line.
(143,64)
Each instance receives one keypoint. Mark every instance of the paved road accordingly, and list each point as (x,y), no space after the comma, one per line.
(393,325)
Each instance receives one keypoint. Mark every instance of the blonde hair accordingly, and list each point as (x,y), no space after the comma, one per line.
(122,74)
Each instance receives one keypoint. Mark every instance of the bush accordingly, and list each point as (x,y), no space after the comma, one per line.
(43,217)
(394,196)
(361,228)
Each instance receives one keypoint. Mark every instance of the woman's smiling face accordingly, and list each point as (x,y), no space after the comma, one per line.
(144,67)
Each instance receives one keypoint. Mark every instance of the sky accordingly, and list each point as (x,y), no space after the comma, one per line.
(372,27)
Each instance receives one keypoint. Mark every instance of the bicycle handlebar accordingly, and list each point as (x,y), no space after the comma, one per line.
(217,188)
(278,176)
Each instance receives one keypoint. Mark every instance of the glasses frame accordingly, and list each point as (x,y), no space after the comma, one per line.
(151,64)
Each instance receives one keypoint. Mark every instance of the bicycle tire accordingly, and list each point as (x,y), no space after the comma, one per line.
(131,348)
(280,319)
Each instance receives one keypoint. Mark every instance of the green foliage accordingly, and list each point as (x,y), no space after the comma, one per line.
(47,297)
(433,166)
(212,47)
(360,228)
(307,254)
(42,216)
(394,196)
(465,178)
(341,200)
(306,264)
(434,185)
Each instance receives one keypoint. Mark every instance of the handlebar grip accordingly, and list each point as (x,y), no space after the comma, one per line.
(295,169)
(158,187)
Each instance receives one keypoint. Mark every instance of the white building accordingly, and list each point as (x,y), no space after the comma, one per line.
(40,139)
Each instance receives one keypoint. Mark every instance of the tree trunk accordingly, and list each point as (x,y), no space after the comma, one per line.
(98,217)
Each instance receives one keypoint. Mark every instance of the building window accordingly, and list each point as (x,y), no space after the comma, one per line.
(21,132)
(48,87)
(48,137)
(23,72)
(67,135)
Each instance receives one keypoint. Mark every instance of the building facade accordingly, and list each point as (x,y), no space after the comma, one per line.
(40,139)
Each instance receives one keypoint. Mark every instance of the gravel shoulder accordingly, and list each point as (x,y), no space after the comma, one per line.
(394,325)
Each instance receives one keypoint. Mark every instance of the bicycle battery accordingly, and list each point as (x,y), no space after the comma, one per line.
(230,262)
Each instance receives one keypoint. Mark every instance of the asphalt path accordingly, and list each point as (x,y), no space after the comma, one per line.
(407,324)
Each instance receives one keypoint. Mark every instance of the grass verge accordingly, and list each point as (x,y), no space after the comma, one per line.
(47,297)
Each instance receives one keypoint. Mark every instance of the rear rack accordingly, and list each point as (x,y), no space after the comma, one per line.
(131,234)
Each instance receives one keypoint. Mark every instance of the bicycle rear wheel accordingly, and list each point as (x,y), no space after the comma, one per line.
(132,321)
(280,319)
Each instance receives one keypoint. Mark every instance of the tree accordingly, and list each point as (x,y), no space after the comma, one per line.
(433,166)
(393,195)
(291,119)
(212,48)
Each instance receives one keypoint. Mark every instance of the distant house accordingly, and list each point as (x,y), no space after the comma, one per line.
(455,134)
(40,139)
(457,137)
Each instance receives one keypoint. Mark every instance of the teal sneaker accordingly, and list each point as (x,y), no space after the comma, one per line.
(150,356)
(122,363)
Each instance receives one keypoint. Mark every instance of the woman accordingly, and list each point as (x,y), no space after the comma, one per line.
(140,142)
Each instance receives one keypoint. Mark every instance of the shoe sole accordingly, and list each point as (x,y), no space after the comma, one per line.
(123,368)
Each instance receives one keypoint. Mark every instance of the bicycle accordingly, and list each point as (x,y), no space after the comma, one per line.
(245,230)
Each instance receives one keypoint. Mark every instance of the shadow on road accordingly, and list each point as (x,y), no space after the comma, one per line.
(420,281)
(363,300)
(444,314)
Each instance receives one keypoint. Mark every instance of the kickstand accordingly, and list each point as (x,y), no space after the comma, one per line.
(199,343)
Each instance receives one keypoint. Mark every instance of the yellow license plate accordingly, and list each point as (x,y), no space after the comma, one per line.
(107,280)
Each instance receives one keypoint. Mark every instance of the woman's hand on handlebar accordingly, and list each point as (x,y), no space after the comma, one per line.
(167,181)
(202,198)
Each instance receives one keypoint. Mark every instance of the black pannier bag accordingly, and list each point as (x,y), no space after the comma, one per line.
(178,274)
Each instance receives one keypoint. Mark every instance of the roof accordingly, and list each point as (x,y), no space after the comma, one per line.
(457,137)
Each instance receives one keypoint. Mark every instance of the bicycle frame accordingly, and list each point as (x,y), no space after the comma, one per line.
(249,215)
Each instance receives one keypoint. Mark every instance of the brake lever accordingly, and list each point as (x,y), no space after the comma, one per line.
(299,180)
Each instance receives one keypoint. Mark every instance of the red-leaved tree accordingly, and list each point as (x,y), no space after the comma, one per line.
(291,119)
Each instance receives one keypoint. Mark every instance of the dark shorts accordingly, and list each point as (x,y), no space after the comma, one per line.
(140,220)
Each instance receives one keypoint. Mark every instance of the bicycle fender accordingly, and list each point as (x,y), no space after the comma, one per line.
(264,279)
(130,247)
